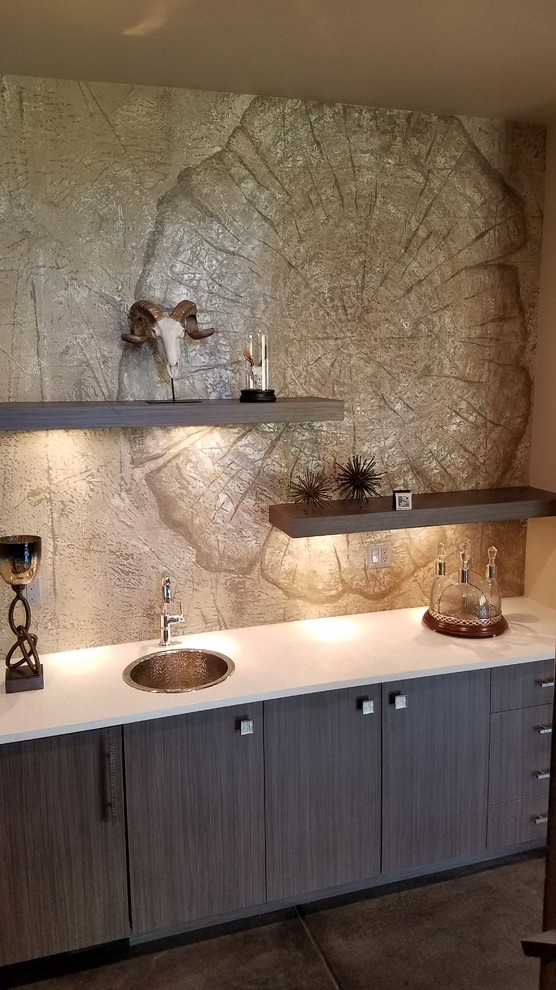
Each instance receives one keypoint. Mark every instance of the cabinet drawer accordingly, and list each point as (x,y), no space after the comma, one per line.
(526,730)
(522,685)
(520,744)
(520,777)
(516,821)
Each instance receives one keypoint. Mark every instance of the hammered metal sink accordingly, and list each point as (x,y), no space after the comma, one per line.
(176,670)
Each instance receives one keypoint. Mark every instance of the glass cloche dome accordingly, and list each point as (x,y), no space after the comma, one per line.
(464,603)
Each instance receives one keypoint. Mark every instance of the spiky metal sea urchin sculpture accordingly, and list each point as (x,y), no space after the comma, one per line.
(311,488)
(358,479)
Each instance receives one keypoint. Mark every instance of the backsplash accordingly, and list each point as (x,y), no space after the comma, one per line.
(393,260)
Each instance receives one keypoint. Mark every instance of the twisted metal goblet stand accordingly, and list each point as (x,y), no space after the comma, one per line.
(23,673)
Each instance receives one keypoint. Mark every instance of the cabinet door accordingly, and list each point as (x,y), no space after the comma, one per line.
(63,882)
(322,754)
(194,790)
(435,767)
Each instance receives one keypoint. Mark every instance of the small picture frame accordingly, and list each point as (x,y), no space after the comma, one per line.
(402,499)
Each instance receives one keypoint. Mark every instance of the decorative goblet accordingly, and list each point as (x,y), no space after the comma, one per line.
(20,558)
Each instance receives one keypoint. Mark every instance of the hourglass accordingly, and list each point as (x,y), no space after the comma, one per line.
(256,370)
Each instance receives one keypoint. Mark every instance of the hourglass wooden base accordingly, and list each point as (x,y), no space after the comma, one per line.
(474,629)
(257,395)
(24,672)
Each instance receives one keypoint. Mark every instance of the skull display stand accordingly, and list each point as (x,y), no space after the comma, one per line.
(173,399)
(146,321)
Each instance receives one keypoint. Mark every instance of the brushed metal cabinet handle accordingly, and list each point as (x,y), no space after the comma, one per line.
(397,699)
(540,819)
(247,726)
(543,730)
(545,682)
(367,706)
(112,802)
(542,774)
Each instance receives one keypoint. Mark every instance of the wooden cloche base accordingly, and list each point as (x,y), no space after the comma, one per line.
(454,628)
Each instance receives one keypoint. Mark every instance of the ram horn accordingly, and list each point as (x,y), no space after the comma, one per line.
(186,313)
(141,319)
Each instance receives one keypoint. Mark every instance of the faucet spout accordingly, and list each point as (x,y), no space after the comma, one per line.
(166,589)
(166,619)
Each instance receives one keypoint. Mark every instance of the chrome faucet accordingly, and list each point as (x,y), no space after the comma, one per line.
(167,620)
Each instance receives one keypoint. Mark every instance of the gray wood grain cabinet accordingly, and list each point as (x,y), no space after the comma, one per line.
(435,769)
(322,755)
(195,793)
(63,882)
(273,802)
(520,750)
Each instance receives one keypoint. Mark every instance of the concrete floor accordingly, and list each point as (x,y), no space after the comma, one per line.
(457,934)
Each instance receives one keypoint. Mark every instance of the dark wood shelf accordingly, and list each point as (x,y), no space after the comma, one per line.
(542,946)
(207,412)
(438,509)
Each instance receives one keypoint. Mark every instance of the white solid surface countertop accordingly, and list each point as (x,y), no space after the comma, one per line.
(84,689)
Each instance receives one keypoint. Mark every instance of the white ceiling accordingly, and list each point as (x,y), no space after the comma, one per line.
(484,57)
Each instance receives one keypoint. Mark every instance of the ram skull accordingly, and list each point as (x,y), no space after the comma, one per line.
(147,321)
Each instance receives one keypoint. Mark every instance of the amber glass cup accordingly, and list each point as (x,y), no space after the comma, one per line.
(20,558)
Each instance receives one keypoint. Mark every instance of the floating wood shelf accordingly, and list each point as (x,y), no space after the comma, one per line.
(208,412)
(542,946)
(486,505)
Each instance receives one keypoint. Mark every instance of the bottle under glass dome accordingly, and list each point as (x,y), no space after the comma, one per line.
(465,603)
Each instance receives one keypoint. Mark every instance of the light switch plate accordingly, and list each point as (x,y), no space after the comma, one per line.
(379,555)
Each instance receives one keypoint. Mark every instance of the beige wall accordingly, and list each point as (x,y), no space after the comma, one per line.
(540,572)
(393,259)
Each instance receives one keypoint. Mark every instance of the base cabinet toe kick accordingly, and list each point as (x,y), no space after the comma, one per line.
(180,822)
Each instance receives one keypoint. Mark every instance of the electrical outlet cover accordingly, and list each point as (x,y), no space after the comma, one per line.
(32,592)
(379,555)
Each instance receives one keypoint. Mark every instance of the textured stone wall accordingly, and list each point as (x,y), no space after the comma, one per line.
(393,259)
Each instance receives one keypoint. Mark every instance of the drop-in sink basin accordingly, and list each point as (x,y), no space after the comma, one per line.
(176,670)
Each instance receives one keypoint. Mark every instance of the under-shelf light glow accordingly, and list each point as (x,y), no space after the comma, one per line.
(76,663)
(336,630)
